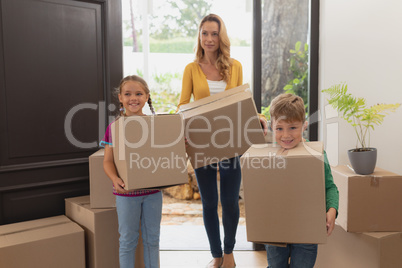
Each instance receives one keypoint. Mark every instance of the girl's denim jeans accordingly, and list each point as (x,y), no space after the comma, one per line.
(130,211)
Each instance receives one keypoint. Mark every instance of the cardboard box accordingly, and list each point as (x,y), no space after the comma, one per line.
(369,203)
(49,242)
(221,126)
(101,233)
(284,194)
(149,151)
(100,186)
(360,250)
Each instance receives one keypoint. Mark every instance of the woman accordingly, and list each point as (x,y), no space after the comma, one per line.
(213,71)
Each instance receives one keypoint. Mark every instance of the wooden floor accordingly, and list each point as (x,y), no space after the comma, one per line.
(200,259)
(184,243)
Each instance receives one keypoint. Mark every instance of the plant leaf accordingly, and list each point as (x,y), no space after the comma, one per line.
(297,45)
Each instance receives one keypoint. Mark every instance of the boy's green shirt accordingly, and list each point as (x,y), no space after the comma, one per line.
(331,191)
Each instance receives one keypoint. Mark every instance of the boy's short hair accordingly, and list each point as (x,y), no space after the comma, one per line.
(288,107)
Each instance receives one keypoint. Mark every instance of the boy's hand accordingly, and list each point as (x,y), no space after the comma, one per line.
(119,186)
(264,125)
(331,215)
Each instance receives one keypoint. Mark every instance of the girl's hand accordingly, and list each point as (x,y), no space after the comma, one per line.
(331,215)
(119,186)
(264,125)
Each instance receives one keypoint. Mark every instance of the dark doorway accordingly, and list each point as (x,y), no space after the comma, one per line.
(59,60)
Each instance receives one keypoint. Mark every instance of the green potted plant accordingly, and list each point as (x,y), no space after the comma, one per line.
(363,119)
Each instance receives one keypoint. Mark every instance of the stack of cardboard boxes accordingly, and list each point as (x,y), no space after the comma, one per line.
(48,242)
(368,233)
(96,213)
(101,233)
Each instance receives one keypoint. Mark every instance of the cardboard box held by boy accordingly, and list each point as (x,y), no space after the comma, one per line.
(284,194)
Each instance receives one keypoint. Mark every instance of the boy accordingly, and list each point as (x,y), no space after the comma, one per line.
(288,123)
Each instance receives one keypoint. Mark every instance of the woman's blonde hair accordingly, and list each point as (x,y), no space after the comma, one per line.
(288,107)
(224,61)
(141,81)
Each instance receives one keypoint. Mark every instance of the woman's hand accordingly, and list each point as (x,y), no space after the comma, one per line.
(264,125)
(331,215)
(119,186)
(186,142)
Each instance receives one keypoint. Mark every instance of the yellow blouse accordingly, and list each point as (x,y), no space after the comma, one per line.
(195,81)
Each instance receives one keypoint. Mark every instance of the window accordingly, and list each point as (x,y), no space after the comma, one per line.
(286,54)
(160,36)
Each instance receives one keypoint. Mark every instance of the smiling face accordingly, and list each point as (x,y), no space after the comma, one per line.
(209,36)
(133,97)
(288,134)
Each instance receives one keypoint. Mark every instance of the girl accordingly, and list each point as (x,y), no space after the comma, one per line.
(214,71)
(134,205)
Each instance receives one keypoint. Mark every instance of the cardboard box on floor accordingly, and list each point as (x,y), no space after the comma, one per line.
(360,250)
(284,194)
(149,151)
(221,126)
(101,233)
(49,242)
(100,186)
(369,203)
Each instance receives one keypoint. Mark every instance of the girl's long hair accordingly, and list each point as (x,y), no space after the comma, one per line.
(224,61)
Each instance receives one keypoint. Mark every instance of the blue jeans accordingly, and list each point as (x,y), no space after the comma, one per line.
(301,256)
(130,210)
(230,178)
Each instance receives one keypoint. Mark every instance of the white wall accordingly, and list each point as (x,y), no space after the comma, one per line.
(361,44)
